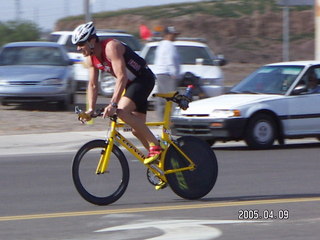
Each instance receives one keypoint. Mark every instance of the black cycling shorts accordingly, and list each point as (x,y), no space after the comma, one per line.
(139,90)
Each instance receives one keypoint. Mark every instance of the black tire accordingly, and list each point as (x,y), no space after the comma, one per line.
(211,141)
(66,103)
(199,182)
(100,189)
(260,132)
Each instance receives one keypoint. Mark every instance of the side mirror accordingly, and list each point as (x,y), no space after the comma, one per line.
(301,88)
(220,61)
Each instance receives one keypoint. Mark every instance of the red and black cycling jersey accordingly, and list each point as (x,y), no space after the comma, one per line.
(134,63)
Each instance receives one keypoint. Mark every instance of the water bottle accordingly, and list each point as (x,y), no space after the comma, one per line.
(184,104)
(188,92)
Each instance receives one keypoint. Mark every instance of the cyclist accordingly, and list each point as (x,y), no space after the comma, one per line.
(132,75)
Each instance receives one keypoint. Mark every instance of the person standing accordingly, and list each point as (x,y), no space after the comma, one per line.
(167,66)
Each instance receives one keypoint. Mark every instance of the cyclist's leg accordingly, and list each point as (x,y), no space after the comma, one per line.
(142,118)
(133,109)
(126,111)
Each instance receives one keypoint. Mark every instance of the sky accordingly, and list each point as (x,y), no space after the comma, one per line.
(46,12)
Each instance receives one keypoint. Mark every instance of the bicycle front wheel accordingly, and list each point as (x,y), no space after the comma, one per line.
(100,189)
(191,184)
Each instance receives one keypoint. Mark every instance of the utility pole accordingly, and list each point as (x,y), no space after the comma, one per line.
(87,11)
(18,10)
(66,8)
(286,37)
(317,29)
(286,33)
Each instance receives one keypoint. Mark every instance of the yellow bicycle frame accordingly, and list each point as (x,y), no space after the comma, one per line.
(157,169)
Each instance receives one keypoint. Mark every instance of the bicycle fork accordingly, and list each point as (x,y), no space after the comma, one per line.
(104,158)
(105,154)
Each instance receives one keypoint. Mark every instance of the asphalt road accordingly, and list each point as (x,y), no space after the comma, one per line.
(38,200)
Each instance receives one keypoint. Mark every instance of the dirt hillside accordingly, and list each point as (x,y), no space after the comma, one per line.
(255,38)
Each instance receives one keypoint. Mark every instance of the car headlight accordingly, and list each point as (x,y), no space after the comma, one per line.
(225,113)
(4,82)
(176,111)
(52,81)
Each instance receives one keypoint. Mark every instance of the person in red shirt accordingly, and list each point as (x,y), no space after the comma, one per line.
(145,33)
(133,76)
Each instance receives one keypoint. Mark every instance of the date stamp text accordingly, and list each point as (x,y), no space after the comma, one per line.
(255,214)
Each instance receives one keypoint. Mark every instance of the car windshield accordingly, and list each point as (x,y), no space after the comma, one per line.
(188,55)
(32,56)
(269,80)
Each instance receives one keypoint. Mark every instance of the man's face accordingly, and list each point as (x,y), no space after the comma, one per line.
(84,48)
(172,36)
(313,82)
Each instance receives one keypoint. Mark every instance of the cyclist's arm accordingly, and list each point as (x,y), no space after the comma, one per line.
(92,92)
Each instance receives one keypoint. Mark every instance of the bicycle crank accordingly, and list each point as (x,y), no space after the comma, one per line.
(152,178)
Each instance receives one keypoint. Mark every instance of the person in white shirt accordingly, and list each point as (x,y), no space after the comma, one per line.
(167,66)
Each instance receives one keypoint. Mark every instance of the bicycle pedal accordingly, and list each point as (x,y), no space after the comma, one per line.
(160,186)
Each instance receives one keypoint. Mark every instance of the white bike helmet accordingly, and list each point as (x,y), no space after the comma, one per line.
(83,32)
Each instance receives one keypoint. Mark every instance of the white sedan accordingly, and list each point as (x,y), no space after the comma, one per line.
(276,102)
(198,63)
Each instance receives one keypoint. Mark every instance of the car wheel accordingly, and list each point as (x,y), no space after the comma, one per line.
(106,85)
(260,132)
(72,98)
(66,103)
(211,141)
(3,103)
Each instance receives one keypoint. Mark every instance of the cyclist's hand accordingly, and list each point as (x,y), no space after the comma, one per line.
(109,111)
(85,116)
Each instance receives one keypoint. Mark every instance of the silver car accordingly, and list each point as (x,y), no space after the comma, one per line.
(199,65)
(36,72)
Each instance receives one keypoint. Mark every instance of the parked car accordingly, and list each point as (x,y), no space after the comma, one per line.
(272,103)
(36,71)
(106,81)
(199,65)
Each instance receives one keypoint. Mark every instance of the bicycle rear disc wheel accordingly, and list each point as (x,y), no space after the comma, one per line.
(100,189)
(191,184)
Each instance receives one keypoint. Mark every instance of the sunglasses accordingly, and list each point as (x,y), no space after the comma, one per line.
(81,44)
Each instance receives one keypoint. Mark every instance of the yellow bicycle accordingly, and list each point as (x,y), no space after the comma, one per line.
(188,165)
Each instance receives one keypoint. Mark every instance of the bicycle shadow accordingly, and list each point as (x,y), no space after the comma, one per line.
(275,147)
(260,197)
(231,199)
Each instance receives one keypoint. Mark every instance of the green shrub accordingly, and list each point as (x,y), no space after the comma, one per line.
(16,31)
